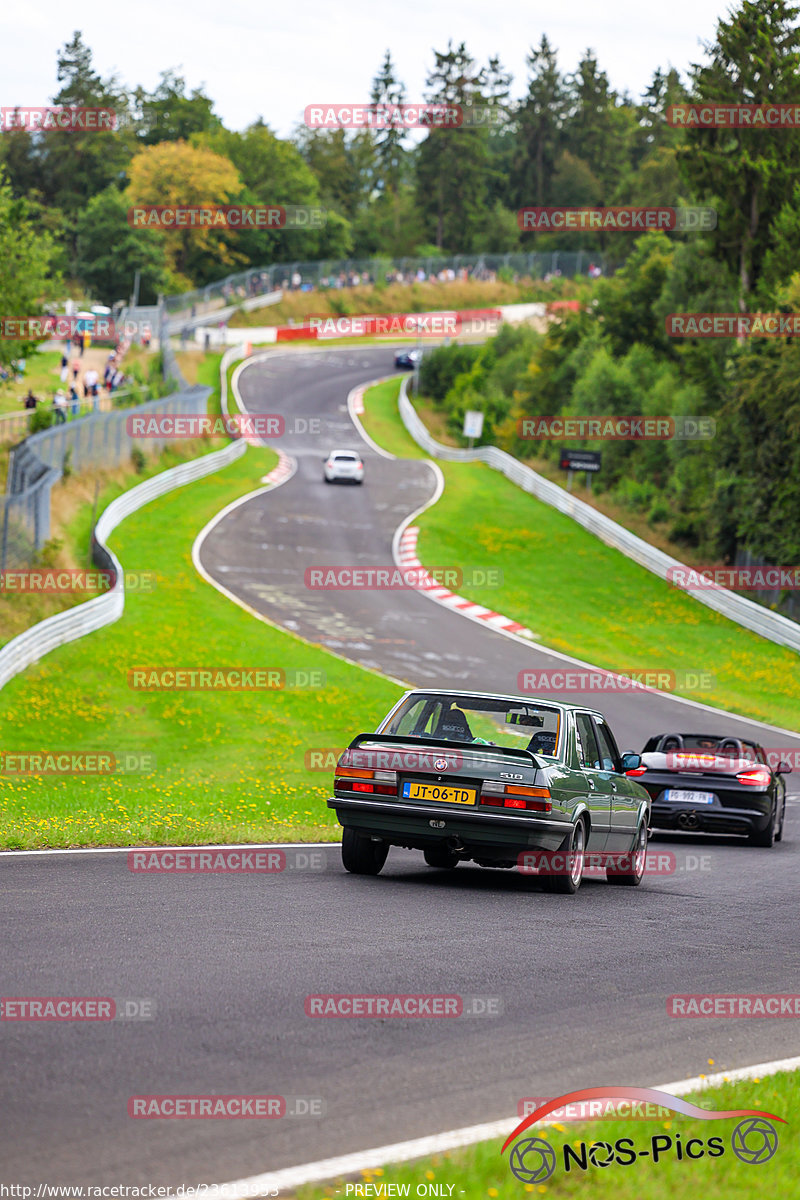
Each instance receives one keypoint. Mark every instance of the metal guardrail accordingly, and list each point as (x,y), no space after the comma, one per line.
(14,426)
(100,439)
(85,618)
(747,613)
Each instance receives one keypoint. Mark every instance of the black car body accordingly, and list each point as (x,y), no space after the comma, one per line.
(407,359)
(714,783)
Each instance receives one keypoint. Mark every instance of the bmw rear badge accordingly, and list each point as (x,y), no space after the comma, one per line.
(440,764)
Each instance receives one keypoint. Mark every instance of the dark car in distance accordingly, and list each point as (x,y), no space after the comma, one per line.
(713,783)
(407,359)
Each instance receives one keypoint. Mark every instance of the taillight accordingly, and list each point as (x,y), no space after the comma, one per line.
(758,777)
(507,795)
(358,779)
(634,771)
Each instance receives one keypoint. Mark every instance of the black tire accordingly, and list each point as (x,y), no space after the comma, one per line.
(325,477)
(441,857)
(764,837)
(636,858)
(362,856)
(779,834)
(567,882)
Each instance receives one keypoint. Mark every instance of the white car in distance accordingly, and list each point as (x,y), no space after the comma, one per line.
(344,465)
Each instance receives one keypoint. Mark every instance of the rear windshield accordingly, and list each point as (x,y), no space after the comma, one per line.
(347,456)
(480,720)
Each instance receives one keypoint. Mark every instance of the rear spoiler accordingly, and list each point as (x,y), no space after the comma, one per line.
(443,747)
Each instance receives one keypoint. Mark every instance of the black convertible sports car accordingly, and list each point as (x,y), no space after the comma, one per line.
(704,781)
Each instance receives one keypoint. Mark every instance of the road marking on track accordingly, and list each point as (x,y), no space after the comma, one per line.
(381,1156)
(156,849)
(284,470)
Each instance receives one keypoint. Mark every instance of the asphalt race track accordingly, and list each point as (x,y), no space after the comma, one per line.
(582,981)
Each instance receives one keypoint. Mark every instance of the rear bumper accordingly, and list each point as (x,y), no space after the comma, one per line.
(684,818)
(489,834)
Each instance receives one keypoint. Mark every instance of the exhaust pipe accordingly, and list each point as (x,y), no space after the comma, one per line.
(689,821)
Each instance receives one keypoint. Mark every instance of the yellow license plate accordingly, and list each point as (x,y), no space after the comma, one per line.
(440,792)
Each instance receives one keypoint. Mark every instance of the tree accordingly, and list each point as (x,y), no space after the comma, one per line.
(748,174)
(540,119)
(74,166)
(597,129)
(625,303)
(175,173)
(273,172)
(388,91)
(167,114)
(25,276)
(110,252)
(452,172)
(343,165)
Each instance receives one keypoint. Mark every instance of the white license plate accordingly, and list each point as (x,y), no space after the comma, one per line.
(677,796)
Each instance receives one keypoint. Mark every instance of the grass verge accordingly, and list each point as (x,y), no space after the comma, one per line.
(205,766)
(481,1171)
(582,597)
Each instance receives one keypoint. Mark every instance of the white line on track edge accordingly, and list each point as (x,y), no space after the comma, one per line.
(156,849)
(348,1164)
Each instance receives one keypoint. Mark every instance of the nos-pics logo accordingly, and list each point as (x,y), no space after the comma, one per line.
(753,1140)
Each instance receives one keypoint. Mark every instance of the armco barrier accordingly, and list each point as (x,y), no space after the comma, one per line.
(736,608)
(76,622)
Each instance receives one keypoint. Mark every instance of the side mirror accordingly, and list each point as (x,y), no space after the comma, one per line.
(783,768)
(630,761)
